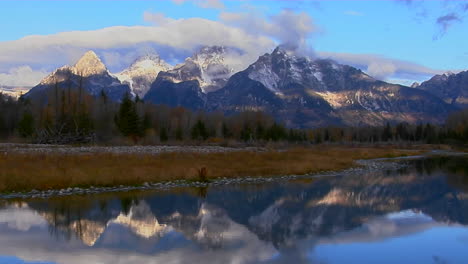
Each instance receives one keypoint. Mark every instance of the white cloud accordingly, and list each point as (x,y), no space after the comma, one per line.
(382,67)
(252,33)
(21,219)
(157,18)
(181,36)
(22,76)
(288,27)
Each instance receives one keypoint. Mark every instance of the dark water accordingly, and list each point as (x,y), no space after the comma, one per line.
(415,215)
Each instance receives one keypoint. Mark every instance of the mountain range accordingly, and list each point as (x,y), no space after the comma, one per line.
(296,90)
(89,74)
(452,88)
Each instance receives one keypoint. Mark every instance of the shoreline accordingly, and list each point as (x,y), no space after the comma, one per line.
(361,166)
(43,171)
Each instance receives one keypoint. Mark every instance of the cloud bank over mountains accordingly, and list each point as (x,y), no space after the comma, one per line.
(382,67)
(251,33)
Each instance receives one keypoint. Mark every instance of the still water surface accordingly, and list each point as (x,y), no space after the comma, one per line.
(418,214)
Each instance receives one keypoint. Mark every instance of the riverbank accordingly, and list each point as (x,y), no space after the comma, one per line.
(23,170)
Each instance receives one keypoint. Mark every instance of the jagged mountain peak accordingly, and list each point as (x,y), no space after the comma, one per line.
(209,55)
(282,67)
(142,73)
(89,64)
(284,50)
(449,73)
(149,60)
(209,67)
(90,55)
(89,73)
(451,87)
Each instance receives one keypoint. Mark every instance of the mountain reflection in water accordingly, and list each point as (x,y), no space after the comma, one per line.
(415,215)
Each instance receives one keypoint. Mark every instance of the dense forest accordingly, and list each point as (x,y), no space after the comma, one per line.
(70,116)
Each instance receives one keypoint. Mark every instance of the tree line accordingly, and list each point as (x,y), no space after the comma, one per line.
(72,116)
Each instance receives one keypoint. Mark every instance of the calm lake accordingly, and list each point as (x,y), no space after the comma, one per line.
(418,214)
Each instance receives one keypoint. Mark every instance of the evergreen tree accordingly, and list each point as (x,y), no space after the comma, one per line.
(276,132)
(326,136)
(199,131)
(26,125)
(146,124)
(419,132)
(387,132)
(127,120)
(84,123)
(179,134)
(163,136)
(259,131)
(226,132)
(246,133)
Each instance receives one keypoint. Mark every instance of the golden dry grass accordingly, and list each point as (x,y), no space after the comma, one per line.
(20,172)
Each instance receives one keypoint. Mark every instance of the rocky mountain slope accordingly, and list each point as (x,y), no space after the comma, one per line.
(310,93)
(89,74)
(188,83)
(296,90)
(452,88)
(142,73)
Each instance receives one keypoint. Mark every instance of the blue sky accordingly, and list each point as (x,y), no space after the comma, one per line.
(399,41)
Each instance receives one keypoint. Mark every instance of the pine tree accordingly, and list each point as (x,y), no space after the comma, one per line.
(26,125)
(146,123)
(259,131)
(179,134)
(276,132)
(387,133)
(226,131)
(127,120)
(163,134)
(199,131)
(246,133)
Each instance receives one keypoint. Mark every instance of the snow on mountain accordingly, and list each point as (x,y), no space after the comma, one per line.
(142,73)
(142,222)
(282,67)
(208,66)
(303,92)
(14,92)
(88,65)
(451,87)
(89,72)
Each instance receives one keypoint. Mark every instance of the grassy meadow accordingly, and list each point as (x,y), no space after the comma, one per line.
(27,171)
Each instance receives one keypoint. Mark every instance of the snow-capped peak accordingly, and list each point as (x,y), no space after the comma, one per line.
(211,59)
(142,73)
(284,51)
(89,64)
(149,62)
(284,66)
(208,66)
